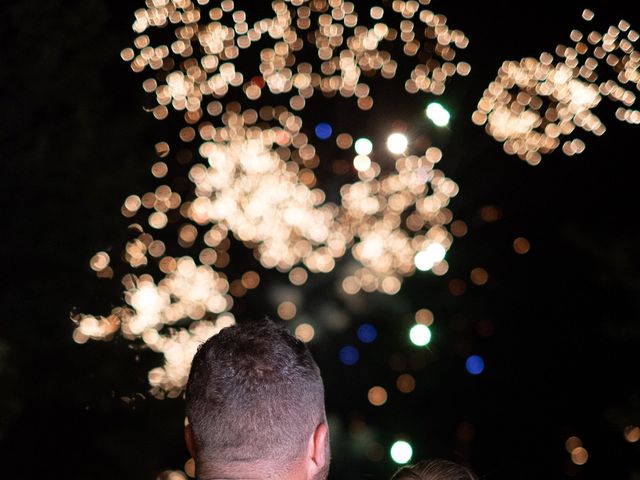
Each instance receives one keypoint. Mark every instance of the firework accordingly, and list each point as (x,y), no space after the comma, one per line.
(253,169)
(532,104)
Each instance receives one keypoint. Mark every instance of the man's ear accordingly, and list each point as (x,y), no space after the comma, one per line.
(188,439)
(318,453)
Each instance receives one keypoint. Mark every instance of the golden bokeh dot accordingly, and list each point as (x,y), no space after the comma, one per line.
(572,443)
(390,285)
(162,149)
(127,54)
(579,456)
(133,203)
(340,167)
(457,287)
(490,213)
(344,141)
(440,268)
(424,316)
(223,259)
(99,261)
(214,108)
(459,228)
(159,169)
(250,279)
(479,276)
(632,433)
(521,245)
(208,256)
(148,200)
(187,235)
(168,265)
(406,383)
(305,332)
(365,103)
(79,337)
(187,134)
(351,285)
(156,248)
(287,310)
(298,276)
(237,289)
(377,396)
(375,12)
(105,273)
(158,220)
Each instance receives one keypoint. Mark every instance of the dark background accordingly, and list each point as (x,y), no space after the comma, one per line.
(558,328)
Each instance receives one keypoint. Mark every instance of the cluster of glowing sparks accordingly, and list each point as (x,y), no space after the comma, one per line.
(534,103)
(255,180)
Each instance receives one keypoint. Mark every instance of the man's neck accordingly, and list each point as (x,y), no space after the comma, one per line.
(242,471)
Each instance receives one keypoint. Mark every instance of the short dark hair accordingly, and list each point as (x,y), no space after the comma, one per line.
(436,469)
(254,394)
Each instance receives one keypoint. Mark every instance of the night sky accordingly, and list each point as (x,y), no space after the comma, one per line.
(558,327)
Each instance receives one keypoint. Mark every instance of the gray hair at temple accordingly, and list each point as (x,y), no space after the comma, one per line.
(436,469)
(255,406)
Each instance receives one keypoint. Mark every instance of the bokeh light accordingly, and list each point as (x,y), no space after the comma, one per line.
(363,146)
(532,104)
(305,332)
(438,114)
(632,433)
(521,245)
(323,131)
(377,396)
(401,452)
(579,456)
(397,143)
(474,365)
(287,310)
(479,276)
(246,145)
(367,333)
(420,335)
(424,316)
(362,163)
(349,355)
(427,258)
(572,443)
(406,383)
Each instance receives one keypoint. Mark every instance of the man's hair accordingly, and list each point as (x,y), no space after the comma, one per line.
(254,395)
(434,470)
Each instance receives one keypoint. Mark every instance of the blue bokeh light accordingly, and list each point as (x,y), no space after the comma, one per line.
(475,365)
(367,333)
(323,131)
(349,355)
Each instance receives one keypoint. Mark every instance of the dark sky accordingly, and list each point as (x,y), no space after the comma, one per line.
(558,328)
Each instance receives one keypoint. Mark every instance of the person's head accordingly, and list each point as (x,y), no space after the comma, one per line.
(434,470)
(255,406)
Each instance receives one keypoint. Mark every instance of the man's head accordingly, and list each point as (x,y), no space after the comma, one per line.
(434,470)
(255,404)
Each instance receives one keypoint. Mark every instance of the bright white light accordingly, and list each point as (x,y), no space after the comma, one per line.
(363,146)
(438,114)
(397,143)
(361,163)
(401,452)
(420,335)
(428,257)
